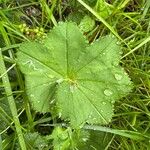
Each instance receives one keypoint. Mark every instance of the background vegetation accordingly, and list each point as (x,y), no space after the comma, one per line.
(129,20)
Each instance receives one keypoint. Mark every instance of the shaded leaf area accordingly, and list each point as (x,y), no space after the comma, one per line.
(6,120)
(78,80)
(34,141)
(5,114)
(97,141)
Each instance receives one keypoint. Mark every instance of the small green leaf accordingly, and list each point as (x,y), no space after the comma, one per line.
(80,80)
(66,139)
(103,8)
(87,24)
(60,138)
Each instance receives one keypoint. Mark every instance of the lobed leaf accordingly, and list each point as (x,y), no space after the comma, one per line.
(81,80)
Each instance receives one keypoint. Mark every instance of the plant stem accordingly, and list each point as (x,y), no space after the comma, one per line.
(11,102)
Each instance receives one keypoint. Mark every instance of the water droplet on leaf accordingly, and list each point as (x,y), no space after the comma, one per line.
(52,101)
(72,88)
(112,101)
(59,114)
(118,43)
(109,120)
(115,63)
(118,77)
(104,103)
(59,81)
(31,95)
(84,139)
(107,92)
(50,76)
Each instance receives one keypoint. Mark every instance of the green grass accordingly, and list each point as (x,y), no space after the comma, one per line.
(129,22)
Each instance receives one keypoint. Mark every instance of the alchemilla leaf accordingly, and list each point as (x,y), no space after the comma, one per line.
(81,80)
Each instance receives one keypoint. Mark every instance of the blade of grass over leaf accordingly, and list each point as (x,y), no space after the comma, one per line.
(126,133)
(10,47)
(7,70)
(11,101)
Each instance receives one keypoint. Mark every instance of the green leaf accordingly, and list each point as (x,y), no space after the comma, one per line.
(67,139)
(61,138)
(81,80)
(87,24)
(103,8)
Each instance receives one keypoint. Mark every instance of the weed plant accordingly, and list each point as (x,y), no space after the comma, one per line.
(22,127)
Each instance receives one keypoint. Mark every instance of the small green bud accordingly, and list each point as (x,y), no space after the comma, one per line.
(22,30)
(24,25)
(28,32)
(20,26)
(38,34)
(36,30)
(42,29)
(26,29)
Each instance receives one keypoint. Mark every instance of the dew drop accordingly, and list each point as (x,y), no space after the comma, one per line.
(109,120)
(72,88)
(90,116)
(52,101)
(44,84)
(60,23)
(120,52)
(50,76)
(84,139)
(125,73)
(59,81)
(38,101)
(118,77)
(118,43)
(107,92)
(31,95)
(112,102)
(115,63)
(59,114)
(104,103)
